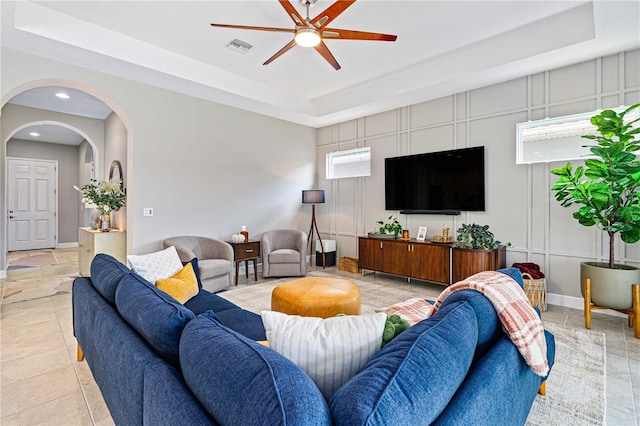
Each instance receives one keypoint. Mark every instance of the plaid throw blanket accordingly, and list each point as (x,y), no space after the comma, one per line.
(519,320)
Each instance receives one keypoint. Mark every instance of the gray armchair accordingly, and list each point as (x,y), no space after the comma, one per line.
(215,259)
(284,253)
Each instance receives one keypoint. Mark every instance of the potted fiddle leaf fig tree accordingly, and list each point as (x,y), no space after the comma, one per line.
(607,191)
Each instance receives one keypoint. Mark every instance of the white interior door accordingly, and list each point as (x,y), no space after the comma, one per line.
(32,203)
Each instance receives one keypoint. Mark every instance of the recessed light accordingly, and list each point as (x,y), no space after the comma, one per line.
(62,95)
(34,134)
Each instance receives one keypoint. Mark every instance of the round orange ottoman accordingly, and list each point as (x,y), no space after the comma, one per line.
(316,297)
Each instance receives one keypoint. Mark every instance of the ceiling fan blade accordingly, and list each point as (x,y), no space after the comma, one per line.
(280,52)
(334,33)
(293,13)
(323,50)
(331,13)
(248,27)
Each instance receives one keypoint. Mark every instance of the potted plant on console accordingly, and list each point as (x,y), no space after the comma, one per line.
(476,250)
(608,190)
(387,230)
(105,196)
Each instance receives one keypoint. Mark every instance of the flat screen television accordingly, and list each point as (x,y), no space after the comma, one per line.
(445,182)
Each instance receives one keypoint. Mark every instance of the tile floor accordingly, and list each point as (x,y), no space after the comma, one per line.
(41,383)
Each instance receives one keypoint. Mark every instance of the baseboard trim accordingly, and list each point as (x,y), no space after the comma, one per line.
(578,303)
(3,273)
(68,245)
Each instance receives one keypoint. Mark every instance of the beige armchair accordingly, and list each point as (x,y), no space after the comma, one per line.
(215,259)
(284,253)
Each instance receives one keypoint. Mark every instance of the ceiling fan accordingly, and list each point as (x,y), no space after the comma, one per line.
(312,32)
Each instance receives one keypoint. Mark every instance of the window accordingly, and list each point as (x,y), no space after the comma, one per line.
(557,139)
(351,163)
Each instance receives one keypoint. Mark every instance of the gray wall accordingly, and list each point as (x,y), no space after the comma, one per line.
(520,206)
(205,168)
(67,158)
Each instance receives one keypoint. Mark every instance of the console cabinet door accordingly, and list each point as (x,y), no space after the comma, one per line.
(369,251)
(396,258)
(467,262)
(430,262)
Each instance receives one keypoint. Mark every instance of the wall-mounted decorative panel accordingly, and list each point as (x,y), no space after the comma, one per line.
(429,140)
(610,73)
(632,69)
(521,208)
(380,124)
(537,89)
(574,81)
(573,108)
(507,96)
(431,113)
(346,131)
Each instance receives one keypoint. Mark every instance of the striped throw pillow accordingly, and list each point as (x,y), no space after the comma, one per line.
(331,351)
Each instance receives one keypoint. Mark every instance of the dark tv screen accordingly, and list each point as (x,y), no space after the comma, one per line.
(445,182)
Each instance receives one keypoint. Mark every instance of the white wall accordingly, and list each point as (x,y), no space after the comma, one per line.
(205,168)
(520,206)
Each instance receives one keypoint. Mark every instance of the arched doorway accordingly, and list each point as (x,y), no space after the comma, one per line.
(109,140)
(45,159)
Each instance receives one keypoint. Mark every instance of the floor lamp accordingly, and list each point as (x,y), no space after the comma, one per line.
(314,197)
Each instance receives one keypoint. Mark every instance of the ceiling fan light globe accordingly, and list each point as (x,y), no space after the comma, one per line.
(307,37)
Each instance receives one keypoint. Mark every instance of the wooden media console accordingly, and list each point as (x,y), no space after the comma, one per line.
(428,261)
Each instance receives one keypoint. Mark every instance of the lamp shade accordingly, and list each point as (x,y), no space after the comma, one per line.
(313,196)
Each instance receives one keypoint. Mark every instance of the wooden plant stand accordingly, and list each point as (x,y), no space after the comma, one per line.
(633,313)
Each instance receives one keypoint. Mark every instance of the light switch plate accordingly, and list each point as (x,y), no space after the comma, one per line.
(147,211)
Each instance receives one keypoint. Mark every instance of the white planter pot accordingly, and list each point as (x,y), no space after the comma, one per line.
(610,288)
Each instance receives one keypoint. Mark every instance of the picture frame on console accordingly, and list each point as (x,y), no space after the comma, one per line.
(422,233)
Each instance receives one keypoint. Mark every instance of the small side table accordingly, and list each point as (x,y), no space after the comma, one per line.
(246,251)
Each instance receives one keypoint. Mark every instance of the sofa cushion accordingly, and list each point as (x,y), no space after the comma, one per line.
(106,273)
(168,400)
(206,301)
(332,350)
(154,314)
(214,267)
(284,256)
(414,376)
(244,322)
(239,381)
(182,286)
(153,266)
(196,269)
(517,385)
(489,324)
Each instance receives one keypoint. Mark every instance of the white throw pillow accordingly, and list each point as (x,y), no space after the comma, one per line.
(331,351)
(154,266)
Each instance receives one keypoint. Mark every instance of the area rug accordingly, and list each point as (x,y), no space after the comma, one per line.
(25,259)
(576,385)
(257,297)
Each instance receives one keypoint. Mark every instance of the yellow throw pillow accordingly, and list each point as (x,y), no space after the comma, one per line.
(182,286)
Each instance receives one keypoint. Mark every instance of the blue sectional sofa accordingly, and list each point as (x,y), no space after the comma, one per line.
(158,362)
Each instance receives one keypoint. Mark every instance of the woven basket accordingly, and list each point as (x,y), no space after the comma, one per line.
(536,291)
(348,264)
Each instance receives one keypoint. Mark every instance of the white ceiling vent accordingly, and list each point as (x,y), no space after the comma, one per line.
(239,46)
